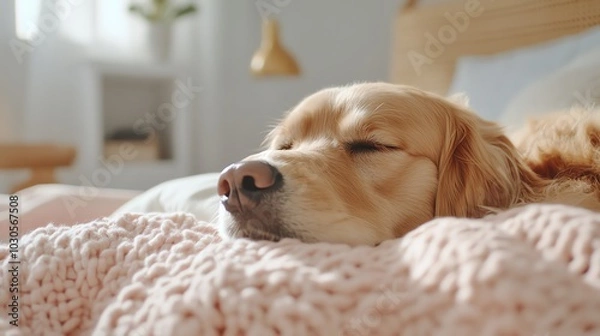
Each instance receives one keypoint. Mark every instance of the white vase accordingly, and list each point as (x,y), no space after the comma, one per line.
(159,41)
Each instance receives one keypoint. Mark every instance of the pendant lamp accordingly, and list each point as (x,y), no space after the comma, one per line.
(271,58)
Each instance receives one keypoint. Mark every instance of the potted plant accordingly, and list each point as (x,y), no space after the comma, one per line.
(161,14)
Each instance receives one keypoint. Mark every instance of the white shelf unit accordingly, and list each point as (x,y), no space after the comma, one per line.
(140,97)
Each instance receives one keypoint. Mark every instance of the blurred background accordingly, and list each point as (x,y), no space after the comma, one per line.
(130,93)
(93,75)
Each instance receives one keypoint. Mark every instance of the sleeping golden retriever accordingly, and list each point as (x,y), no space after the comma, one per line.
(369,162)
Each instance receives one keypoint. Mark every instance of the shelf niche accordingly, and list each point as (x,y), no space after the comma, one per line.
(135,114)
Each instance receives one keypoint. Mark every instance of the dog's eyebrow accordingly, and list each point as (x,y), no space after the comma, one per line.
(378,107)
(279,133)
(270,137)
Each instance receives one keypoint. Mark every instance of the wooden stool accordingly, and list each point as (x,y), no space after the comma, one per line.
(42,160)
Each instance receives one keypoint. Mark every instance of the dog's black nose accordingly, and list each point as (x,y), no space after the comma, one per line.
(243,184)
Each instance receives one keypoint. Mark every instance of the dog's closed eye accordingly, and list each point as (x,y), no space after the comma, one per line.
(355,147)
(358,147)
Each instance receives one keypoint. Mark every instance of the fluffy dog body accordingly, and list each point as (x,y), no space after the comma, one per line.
(370,162)
(564,148)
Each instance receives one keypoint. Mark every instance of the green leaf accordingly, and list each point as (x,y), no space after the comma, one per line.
(184,10)
(160,11)
(136,9)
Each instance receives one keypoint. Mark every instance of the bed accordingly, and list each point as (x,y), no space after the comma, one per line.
(155,264)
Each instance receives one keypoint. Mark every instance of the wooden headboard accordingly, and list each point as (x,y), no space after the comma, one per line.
(493,26)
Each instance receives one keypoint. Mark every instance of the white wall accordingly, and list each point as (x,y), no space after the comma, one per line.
(12,87)
(336,42)
(12,80)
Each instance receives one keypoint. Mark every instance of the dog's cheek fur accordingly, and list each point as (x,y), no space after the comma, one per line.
(404,191)
(333,196)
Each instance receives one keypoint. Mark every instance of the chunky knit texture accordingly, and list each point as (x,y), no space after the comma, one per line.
(529,271)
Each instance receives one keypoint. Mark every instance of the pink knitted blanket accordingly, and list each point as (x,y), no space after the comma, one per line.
(529,271)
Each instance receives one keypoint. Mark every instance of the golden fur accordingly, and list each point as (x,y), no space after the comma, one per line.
(564,148)
(426,156)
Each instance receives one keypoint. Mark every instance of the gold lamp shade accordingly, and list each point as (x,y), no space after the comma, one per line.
(271,58)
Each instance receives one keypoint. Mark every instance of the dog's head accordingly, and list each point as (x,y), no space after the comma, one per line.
(366,163)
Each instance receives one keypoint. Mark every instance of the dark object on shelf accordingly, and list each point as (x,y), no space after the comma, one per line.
(145,146)
(128,134)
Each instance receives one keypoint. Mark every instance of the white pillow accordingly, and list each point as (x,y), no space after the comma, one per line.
(492,81)
(575,85)
(194,194)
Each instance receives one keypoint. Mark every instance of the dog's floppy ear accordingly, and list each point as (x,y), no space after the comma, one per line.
(479,169)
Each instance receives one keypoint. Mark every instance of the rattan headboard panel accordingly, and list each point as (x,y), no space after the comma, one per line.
(501,25)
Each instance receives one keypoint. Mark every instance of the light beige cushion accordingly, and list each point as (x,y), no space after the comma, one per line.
(575,85)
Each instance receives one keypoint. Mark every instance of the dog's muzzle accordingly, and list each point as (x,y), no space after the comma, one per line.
(245,189)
